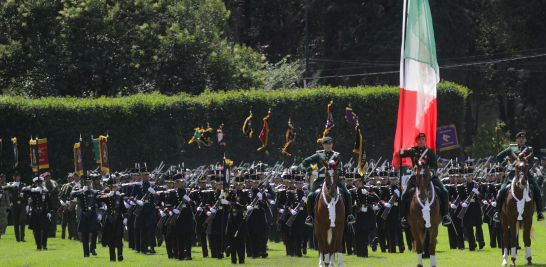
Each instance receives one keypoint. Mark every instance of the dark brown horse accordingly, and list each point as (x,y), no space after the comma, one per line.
(518,212)
(330,218)
(424,214)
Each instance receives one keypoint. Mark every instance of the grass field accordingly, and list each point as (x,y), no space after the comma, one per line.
(70,253)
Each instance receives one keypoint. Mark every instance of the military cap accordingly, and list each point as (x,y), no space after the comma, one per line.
(327,140)
(521,134)
(239,180)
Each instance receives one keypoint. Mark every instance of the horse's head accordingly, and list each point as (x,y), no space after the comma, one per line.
(522,170)
(331,176)
(422,174)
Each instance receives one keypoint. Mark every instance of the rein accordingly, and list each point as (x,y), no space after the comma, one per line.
(331,205)
(520,204)
(426,207)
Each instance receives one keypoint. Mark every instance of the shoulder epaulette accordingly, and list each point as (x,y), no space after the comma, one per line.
(318,151)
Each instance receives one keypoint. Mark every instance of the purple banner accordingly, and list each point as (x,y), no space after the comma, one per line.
(446,138)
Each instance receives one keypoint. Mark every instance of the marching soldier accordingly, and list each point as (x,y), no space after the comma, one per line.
(220,219)
(348,234)
(42,208)
(297,206)
(145,196)
(365,216)
(200,196)
(521,150)
(88,222)
(54,194)
(392,226)
(378,189)
(183,229)
(324,155)
(19,206)
(64,210)
(489,192)
(257,220)
(114,212)
(4,205)
(282,196)
(237,227)
(452,191)
(473,216)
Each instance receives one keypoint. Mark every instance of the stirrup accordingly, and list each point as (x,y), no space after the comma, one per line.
(496,217)
(540,216)
(350,219)
(309,221)
(446,220)
(404,222)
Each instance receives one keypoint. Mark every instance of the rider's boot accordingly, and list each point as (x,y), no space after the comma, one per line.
(310,209)
(500,202)
(444,208)
(403,213)
(538,203)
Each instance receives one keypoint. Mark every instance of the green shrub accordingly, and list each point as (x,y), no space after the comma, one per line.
(152,127)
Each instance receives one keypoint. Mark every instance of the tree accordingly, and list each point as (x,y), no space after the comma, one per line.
(115,47)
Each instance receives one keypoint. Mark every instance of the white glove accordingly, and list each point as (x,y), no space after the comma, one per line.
(376,208)
(75,199)
(249,208)
(397,192)
(127,205)
(1,195)
(111,194)
(62,203)
(49,215)
(213,210)
(259,195)
(187,198)
(293,212)
(171,213)
(125,221)
(199,209)
(304,198)
(27,209)
(117,193)
(151,190)
(453,206)
(388,205)
(208,213)
(33,190)
(465,205)
(494,204)
(105,207)
(85,188)
(281,211)
(162,214)
(176,211)
(132,203)
(99,217)
(364,191)
(224,202)
(272,202)
(139,202)
(475,191)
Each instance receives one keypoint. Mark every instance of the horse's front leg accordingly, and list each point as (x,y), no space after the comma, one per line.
(506,238)
(513,241)
(432,247)
(418,246)
(528,224)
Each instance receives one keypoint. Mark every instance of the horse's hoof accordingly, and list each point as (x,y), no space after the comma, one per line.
(419,265)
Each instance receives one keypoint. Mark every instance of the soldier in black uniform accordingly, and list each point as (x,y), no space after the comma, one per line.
(282,196)
(257,220)
(297,206)
(88,222)
(365,217)
(473,216)
(391,225)
(40,218)
(184,228)
(114,212)
(488,191)
(64,199)
(164,209)
(237,227)
(217,228)
(145,195)
(200,197)
(378,188)
(348,234)
(19,206)
(456,207)
(452,190)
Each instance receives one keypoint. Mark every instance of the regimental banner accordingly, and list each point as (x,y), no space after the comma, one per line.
(96,148)
(446,137)
(34,155)
(15,152)
(78,159)
(104,158)
(43,160)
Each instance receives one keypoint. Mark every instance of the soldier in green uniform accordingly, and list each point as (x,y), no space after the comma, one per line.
(518,149)
(427,154)
(327,154)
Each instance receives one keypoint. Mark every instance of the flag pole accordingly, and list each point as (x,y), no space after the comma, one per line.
(403,92)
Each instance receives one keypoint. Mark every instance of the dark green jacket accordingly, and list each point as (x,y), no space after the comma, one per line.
(415,153)
(317,159)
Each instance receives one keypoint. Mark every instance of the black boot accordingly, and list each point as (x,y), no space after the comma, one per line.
(538,203)
(310,209)
(500,202)
(446,219)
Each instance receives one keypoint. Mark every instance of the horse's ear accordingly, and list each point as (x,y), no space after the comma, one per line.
(325,164)
(528,156)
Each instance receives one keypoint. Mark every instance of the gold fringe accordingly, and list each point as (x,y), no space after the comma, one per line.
(289,133)
(245,127)
(266,131)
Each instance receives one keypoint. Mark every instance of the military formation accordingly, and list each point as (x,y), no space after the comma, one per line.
(234,211)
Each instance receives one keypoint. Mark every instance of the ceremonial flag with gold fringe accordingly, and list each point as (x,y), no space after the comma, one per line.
(247,130)
(196,135)
(206,136)
(104,158)
(220,135)
(78,159)
(43,160)
(329,123)
(265,132)
(227,168)
(34,155)
(96,148)
(351,117)
(290,138)
(15,152)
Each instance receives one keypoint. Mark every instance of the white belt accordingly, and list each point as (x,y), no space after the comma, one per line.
(321,175)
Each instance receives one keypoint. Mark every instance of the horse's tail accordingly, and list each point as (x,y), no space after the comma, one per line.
(521,228)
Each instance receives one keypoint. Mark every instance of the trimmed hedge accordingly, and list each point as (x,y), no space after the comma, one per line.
(152,128)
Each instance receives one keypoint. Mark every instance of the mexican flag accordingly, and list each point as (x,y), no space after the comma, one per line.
(419,75)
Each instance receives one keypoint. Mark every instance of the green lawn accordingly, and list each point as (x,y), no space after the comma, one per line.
(69,253)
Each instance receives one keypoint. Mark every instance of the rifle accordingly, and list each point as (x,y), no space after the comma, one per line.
(467,201)
(147,194)
(216,205)
(492,210)
(456,203)
(293,216)
(388,209)
(367,174)
(198,213)
(172,219)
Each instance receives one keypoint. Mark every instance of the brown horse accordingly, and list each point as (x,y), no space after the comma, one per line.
(330,218)
(424,214)
(518,212)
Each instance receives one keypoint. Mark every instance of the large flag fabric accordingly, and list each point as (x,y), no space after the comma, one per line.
(265,132)
(43,160)
(419,75)
(329,123)
(34,155)
(15,152)
(104,156)
(96,149)
(78,159)
(352,118)
(290,138)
